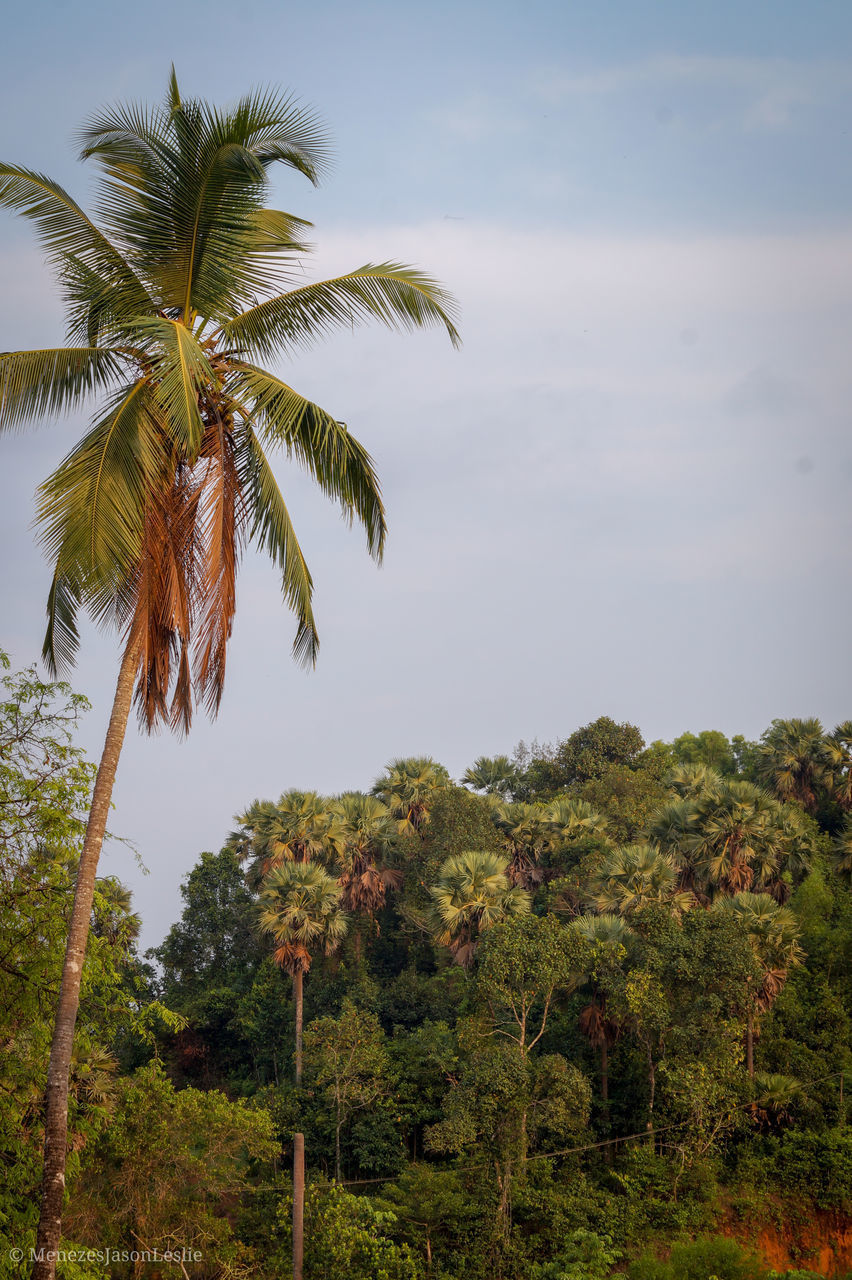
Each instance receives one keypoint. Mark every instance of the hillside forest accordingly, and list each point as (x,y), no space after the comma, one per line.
(584,1012)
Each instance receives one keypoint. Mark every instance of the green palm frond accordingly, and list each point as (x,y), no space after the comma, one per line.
(272,531)
(91,509)
(398,296)
(181,371)
(66,231)
(62,638)
(334,459)
(52,381)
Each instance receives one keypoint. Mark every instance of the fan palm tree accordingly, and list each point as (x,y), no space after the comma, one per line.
(631,877)
(610,933)
(300,907)
(494,775)
(173,294)
(838,747)
(773,932)
(408,787)
(302,827)
(472,894)
(368,831)
(794,761)
(843,850)
(690,780)
(732,836)
(526,831)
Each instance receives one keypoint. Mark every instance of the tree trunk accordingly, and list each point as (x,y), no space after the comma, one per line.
(298,1146)
(652,1088)
(297,997)
(59,1068)
(337,1129)
(298,1204)
(607,1151)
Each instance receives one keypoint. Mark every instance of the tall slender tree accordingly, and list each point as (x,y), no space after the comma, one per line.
(300,907)
(173,294)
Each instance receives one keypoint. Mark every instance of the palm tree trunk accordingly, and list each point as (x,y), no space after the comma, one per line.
(607,1151)
(297,998)
(58,1071)
(298,1146)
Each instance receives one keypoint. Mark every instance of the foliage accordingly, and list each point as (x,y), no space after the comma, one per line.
(163,1170)
(348,1238)
(722,1258)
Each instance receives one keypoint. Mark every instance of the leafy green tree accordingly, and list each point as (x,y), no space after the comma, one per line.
(163,1171)
(588,754)
(146,518)
(45,792)
(347,1061)
(471,896)
(627,796)
(523,963)
(349,1238)
(709,747)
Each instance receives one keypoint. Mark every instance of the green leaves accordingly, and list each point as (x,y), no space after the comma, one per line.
(398,296)
(333,458)
(52,381)
(272,531)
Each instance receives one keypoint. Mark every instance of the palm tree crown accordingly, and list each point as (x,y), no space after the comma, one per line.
(172,296)
(300,907)
(472,894)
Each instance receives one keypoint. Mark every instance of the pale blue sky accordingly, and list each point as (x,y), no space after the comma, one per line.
(628,494)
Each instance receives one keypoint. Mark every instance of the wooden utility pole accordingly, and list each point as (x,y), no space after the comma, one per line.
(298,1204)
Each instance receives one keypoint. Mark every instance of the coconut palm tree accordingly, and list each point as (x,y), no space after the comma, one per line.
(408,787)
(631,877)
(794,761)
(773,932)
(368,832)
(173,294)
(472,894)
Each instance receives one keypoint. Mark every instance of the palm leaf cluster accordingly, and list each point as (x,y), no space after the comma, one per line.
(181,281)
